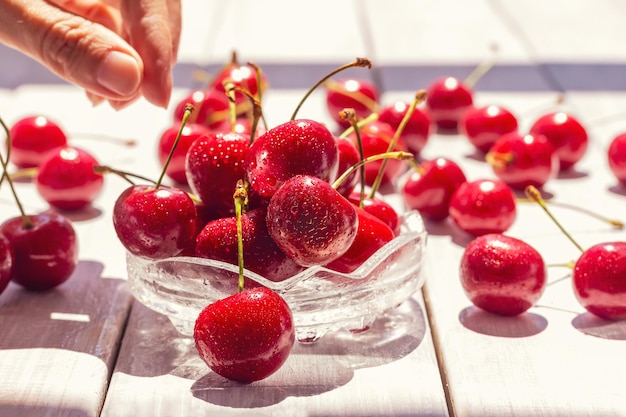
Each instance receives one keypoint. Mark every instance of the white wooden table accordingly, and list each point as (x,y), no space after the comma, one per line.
(87,349)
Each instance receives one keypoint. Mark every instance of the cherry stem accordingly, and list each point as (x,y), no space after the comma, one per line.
(371,118)
(27,223)
(240,198)
(229,89)
(105,169)
(24,173)
(358,62)
(534,194)
(482,69)
(259,91)
(107,138)
(400,155)
(257,112)
(499,160)
(188,110)
(420,96)
(356,95)
(613,222)
(350,115)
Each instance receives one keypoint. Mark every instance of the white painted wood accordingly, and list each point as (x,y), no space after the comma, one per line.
(389,370)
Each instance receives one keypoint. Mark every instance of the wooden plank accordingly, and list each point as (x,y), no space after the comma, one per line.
(389,370)
(58,348)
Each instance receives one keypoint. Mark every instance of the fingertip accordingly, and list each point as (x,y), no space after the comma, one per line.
(120,73)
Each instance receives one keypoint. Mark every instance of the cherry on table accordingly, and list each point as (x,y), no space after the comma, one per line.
(616,156)
(483,125)
(430,188)
(416,132)
(447,99)
(521,160)
(599,280)
(502,274)
(7,259)
(566,134)
(66,179)
(247,336)
(483,206)
(32,137)
(45,247)
(356,93)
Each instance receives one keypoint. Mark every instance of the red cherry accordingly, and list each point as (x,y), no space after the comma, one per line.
(566,134)
(348,157)
(245,337)
(378,208)
(447,99)
(214,164)
(154,222)
(430,189)
(358,94)
(32,138)
(616,156)
(176,167)
(46,251)
(310,221)
(7,259)
(502,275)
(372,235)
(416,132)
(66,179)
(483,206)
(243,76)
(484,125)
(218,240)
(523,160)
(375,139)
(599,280)
(211,109)
(292,148)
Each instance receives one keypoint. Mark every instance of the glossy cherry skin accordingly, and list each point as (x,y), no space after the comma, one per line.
(66,179)
(211,109)
(372,235)
(241,75)
(379,208)
(430,189)
(599,280)
(447,99)
(32,138)
(247,336)
(295,147)
(218,240)
(348,157)
(155,223)
(46,253)
(375,139)
(176,167)
(214,164)
(502,274)
(616,155)
(7,259)
(566,134)
(483,206)
(416,132)
(351,93)
(523,160)
(482,126)
(310,221)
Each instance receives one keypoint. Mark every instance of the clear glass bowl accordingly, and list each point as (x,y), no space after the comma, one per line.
(321,300)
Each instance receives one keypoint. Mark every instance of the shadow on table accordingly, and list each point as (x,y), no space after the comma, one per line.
(593,325)
(480,321)
(152,347)
(20,410)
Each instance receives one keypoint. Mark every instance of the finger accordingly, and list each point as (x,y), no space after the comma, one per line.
(175,19)
(80,51)
(93,10)
(148,26)
(94,98)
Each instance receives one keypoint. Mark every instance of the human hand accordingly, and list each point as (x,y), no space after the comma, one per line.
(117,50)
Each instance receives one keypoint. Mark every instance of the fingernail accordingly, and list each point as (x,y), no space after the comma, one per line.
(119,73)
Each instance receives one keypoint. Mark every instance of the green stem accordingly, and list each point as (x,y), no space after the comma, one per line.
(240,198)
(188,110)
(350,115)
(400,155)
(359,62)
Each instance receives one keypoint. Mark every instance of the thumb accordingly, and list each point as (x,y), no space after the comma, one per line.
(78,50)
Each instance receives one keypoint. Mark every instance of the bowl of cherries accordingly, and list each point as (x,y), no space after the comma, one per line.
(274,208)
